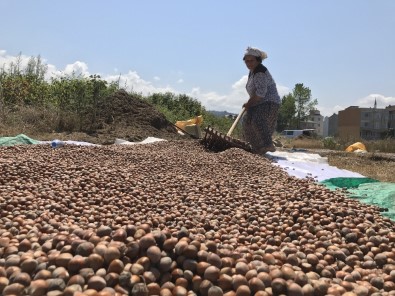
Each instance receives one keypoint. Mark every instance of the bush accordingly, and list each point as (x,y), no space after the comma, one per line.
(329,143)
(28,119)
(70,103)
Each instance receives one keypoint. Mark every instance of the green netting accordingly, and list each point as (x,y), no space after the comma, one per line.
(368,191)
(17,140)
(335,183)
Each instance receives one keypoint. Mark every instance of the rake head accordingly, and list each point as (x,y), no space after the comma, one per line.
(217,142)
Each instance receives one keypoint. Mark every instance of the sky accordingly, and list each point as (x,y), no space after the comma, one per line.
(343,51)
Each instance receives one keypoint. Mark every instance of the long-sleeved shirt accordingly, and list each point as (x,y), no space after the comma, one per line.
(261,83)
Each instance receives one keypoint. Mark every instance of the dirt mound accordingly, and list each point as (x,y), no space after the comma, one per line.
(124,116)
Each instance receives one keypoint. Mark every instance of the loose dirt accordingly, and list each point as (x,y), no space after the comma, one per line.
(130,118)
(126,117)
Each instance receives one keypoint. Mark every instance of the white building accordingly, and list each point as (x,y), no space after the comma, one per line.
(314,121)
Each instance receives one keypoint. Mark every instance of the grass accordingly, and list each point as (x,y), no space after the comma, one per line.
(36,121)
(382,146)
(370,165)
(26,120)
(378,163)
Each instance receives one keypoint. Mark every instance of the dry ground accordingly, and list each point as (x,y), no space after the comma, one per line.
(373,165)
(378,165)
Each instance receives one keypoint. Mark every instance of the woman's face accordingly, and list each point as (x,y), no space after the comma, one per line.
(251,62)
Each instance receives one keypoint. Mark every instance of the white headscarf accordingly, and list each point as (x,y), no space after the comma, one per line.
(256,52)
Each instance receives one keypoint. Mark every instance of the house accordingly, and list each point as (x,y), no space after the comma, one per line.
(364,123)
(333,125)
(349,123)
(391,120)
(314,121)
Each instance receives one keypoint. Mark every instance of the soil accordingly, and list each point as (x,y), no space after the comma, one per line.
(126,117)
(378,166)
(375,165)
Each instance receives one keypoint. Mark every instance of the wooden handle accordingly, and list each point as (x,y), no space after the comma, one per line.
(236,121)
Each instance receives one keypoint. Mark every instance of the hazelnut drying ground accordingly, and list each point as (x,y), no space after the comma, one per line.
(170,218)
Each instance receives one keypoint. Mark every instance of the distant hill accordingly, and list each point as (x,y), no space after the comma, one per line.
(221,113)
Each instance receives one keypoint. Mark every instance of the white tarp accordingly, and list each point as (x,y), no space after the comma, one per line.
(145,141)
(302,165)
(117,142)
(68,142)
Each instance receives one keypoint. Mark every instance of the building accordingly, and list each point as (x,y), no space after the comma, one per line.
(326,126)
(365,123)
(374,123)
(349,123)
(314,121)
(391,120)
(332,125)
(391,116)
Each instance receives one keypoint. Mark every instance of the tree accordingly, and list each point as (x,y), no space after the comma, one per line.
(303,101)
(286,113)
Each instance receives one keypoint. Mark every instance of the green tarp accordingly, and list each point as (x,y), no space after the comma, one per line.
(369,191)
(345,182)
(17,140)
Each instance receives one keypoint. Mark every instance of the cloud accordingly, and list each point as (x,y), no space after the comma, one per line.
(6,60)
(210,100)
(328,111)
(365,102)
(283,90)
(52,72)
(382,101)
(77,68)
(231,101)
(131,81)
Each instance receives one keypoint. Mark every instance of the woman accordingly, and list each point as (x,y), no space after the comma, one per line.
(260,119)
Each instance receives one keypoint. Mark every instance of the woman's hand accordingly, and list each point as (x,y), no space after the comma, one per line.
(246,105)
(252,101)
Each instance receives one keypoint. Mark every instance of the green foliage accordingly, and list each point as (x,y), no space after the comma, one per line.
(295,108)
(330,143)
(222,124)
(176,107)
(303,101)
(79,96)
(181,107)
(73,100)
(286,114)
(24,86)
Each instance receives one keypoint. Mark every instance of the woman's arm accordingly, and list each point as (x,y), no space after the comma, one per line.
(252,101)
(261,83)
